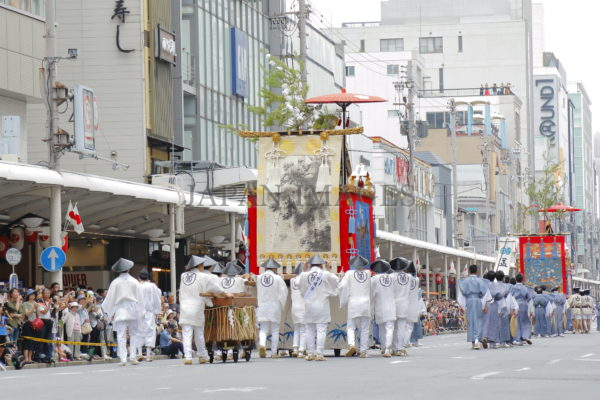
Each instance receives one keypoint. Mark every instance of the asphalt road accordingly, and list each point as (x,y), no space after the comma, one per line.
(445,368)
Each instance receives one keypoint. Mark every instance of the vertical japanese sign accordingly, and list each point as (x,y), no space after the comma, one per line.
(120,13)
(239,62)
(86,120)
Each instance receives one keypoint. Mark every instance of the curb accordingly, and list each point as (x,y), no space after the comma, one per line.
(77,363)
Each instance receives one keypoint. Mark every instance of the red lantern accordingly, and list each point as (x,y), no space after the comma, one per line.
(4,245)
(438,278)
(31,235)
(44,236)
(17,237)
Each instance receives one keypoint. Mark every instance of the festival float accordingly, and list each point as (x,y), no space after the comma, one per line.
(306,202)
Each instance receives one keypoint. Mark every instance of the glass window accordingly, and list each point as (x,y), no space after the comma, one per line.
(362,45)
(431,45)
(393,113)
(350,70)
(392,69)
(391,45)
(460,44)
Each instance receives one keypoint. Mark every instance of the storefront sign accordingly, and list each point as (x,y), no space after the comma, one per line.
(545,97)
(390,166)
(166,45)
(239,62)
(120,12)
(86,120)
(75,280)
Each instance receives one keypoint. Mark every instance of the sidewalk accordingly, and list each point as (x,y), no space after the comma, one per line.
(77,363)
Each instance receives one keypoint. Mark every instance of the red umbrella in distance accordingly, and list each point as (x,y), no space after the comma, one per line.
(560,208)
(344,99)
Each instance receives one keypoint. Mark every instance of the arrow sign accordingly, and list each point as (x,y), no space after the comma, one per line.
(53,259)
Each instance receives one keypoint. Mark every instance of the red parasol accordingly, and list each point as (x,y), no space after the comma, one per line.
(560,208)
(343,100)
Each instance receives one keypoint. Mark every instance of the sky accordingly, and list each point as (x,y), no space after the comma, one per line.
(570,26)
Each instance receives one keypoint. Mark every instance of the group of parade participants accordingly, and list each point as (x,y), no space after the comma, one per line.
(499,309)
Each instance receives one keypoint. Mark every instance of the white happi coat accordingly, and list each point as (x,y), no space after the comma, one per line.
(383,293)
(413,300)
(124,301)
(151,294)
(355,290)
(272,294)
(192,305)
(317,286)
(233,284)
(298,308)
(402,281)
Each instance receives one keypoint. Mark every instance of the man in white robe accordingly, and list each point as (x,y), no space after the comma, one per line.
(316,287)
(272,295)
(231,281)
(124,306)
(298,311)
(355,291)
(402,281)
(152,307)
(383,295)
(195,282)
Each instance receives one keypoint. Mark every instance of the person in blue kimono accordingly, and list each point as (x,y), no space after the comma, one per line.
(505,312)
(597,315)
(551,327)
(485,323)
(497,308)
(472,289)
(523,295)
(541,303)
(559,312)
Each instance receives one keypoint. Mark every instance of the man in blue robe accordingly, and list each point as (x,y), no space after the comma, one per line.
(471,290)
(488,279)
(559,312)
(541,304)
(523,295)
(497,307)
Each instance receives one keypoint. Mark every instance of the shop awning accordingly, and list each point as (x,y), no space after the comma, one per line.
(403,246)
(109,206)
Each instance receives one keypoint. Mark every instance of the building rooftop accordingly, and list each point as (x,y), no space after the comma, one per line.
(429,157)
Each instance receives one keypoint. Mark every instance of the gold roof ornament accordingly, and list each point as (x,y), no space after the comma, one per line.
(326,133)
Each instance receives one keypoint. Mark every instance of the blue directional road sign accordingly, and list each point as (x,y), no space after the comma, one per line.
(53,259)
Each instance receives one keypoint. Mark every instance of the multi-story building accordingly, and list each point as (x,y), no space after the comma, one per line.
(463,45)
(584,178)
(21,53)
(127,52)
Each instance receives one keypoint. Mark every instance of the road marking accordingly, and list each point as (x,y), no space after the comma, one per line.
(399,361)
(463,358)
(485,375)
(13,377)
(587,355)
(234,389)
(106,370)
(164,388)
(552,362)
(589,359)
(67,373)
(522,369)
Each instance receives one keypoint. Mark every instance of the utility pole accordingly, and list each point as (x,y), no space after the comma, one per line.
(458,239)
(303,13)
(410,108)
(53,136)
(406,82)
(486,177)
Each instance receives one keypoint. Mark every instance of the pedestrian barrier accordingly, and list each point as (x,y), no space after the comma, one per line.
(67,342)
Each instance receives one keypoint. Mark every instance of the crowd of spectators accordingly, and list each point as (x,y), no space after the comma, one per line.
(443,316)
(73,315)
(495,90)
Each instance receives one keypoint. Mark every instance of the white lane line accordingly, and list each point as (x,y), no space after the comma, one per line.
(399,361)
(164,388)
(464,358)
(235,389)
(589,359)
(587,355)
(67,373)
(552,362)
(485,375)
(13,377)
(522,369)
(107,370)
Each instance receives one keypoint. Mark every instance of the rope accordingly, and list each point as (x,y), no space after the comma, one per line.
(67,342)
